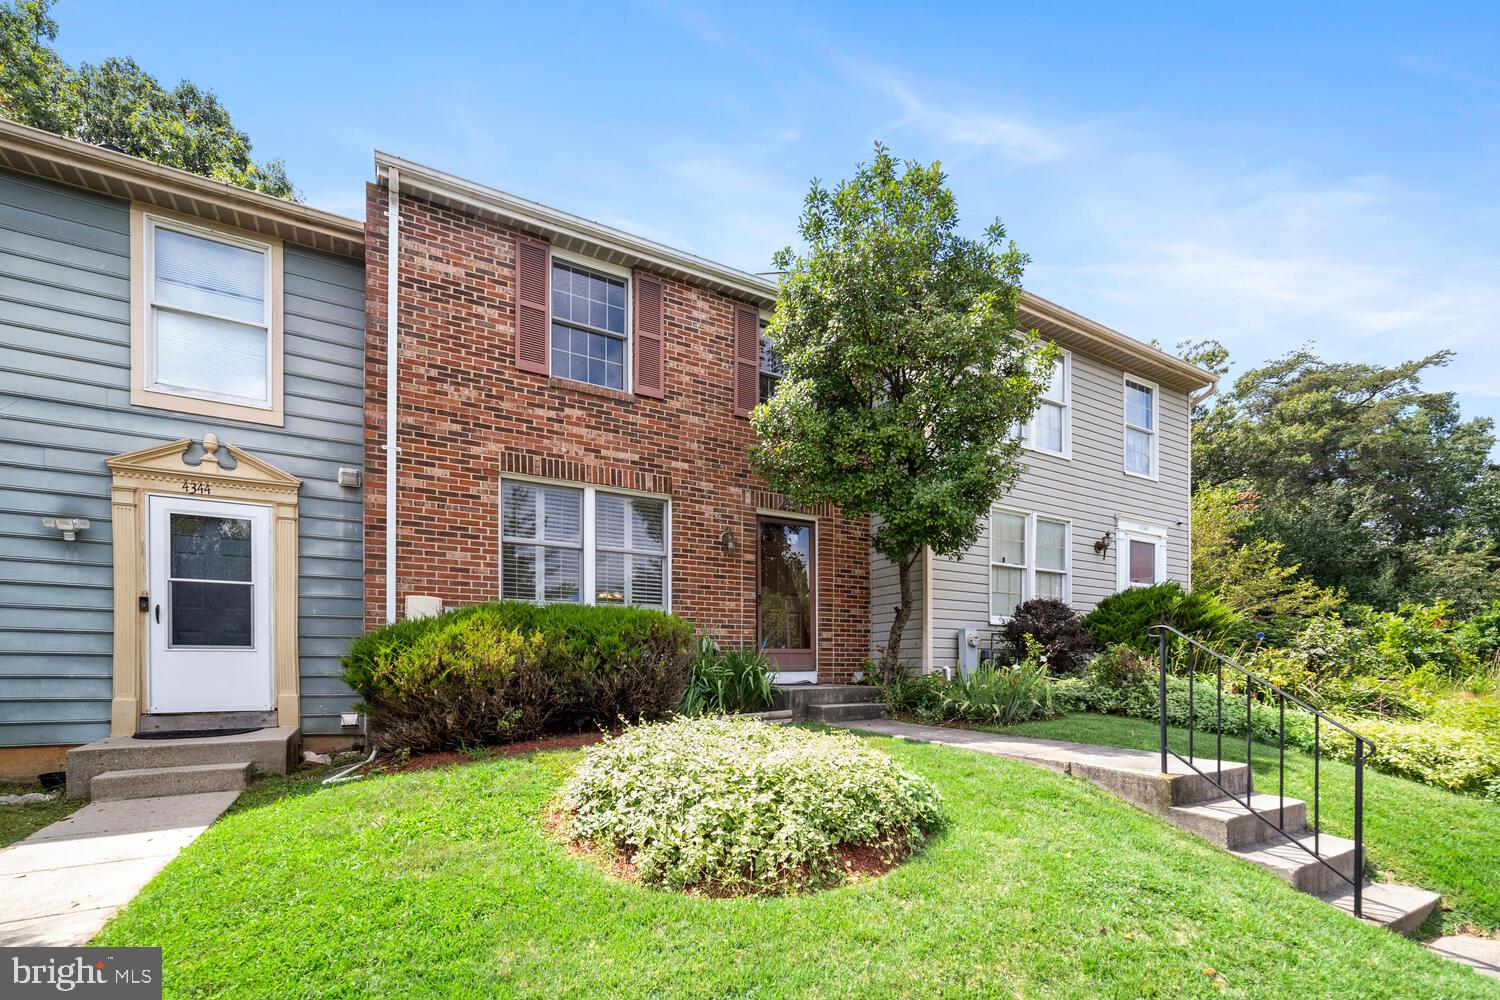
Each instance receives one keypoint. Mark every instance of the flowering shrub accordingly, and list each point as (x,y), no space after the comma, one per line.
(729,804)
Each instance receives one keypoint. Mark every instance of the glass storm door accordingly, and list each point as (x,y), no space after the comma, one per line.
(785,600)
(209,617)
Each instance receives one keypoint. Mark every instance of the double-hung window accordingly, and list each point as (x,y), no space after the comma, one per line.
(1028,558)
(1050,427)
(206,333)
(630,542)
(582,545)
(1140,427)
(590,342)
(770,365)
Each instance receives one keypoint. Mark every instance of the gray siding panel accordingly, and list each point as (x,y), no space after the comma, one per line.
(65,408)
(1091,491)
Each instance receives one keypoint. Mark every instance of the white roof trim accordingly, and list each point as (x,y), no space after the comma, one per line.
(572,232)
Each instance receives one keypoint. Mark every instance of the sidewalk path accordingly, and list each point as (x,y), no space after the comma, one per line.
(60,885)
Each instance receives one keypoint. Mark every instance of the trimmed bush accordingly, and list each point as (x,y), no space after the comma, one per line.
(1056,626)
(508,671)
(732,680)
(733,805)
(1123,618)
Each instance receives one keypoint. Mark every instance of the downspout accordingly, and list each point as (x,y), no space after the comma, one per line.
(926,610)
(1193,403)
(392,374)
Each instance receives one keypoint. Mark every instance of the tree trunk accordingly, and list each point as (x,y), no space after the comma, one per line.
(890,667)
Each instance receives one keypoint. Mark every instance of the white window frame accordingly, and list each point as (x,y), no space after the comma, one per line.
(761,372)
(1124,532)
(144,389)
(607,269)
(589,546)
(1028,430)
(1126,426)
(1028,569)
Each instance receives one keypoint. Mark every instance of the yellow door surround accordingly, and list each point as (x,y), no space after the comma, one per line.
(163,470)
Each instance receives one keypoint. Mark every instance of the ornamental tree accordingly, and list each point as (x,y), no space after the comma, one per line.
(904,376)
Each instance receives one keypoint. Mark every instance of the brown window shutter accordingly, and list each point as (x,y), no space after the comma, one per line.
(646,342)
(746,360)
(533,304)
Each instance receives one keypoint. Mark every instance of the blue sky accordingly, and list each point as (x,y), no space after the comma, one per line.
(1265,174)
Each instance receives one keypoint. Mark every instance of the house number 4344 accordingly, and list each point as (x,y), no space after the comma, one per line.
(197,489)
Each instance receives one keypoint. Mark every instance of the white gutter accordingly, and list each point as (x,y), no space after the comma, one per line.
(392,373)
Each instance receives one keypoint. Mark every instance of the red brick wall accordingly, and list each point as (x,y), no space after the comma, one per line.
(468,415)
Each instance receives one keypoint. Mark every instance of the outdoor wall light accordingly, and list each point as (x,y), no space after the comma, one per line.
(728,543)
(69,526)
(1101,545)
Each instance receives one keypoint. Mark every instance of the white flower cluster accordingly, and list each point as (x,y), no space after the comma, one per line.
(737,805)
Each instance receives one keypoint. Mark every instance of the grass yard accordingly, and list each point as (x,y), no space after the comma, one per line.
(1414,833)
(19,822)
(442,883)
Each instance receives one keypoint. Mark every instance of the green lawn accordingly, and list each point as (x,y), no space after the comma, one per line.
(18,822)
(1414,833)
(442,883)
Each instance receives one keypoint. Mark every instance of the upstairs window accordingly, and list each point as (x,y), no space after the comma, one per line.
(206,332)
(1140,428)
(588,325)
(770,365)
(1050,427)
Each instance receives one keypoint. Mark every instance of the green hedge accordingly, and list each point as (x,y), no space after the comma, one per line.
(1445,756)
(509,671)
(1123,618)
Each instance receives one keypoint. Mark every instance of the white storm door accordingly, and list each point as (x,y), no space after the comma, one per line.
(209,615)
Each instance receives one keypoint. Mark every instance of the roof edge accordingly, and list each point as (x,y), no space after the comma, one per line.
(81,164)
(535,217)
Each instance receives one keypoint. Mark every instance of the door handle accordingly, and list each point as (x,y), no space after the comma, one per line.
(158,614)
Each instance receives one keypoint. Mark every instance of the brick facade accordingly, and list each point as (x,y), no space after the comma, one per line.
(468,416)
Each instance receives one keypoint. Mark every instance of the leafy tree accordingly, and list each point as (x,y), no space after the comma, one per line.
(117,103)
(904,375)
(1248,576)
(1370,482)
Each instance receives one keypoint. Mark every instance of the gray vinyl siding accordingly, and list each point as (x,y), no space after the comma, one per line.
(1091,491)
(65,408)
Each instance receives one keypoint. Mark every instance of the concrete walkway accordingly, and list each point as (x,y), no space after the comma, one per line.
(60,885)
(1480,954)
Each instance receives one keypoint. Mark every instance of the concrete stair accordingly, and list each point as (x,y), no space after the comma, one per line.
(155,782)
(272,749)
(830,703)
(1224,821)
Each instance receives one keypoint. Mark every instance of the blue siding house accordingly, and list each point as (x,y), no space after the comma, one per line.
(182,368)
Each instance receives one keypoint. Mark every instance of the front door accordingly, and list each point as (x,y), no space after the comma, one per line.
(209,606)
(786,600)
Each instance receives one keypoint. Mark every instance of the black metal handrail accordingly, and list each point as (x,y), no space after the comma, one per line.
(1362,746)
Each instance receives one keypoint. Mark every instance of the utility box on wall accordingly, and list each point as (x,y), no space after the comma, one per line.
(968,651)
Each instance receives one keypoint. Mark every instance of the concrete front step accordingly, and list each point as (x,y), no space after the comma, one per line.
(853,711)
(1293,864)
(273,750)
(1396,907)
(155,782)
(798,697)
(776,717)
(1224,822)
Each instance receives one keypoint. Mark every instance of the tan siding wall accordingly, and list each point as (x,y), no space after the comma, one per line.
(1091,490)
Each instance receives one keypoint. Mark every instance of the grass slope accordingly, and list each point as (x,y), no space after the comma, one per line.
(441,883)
(19,822)
(1414,833)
